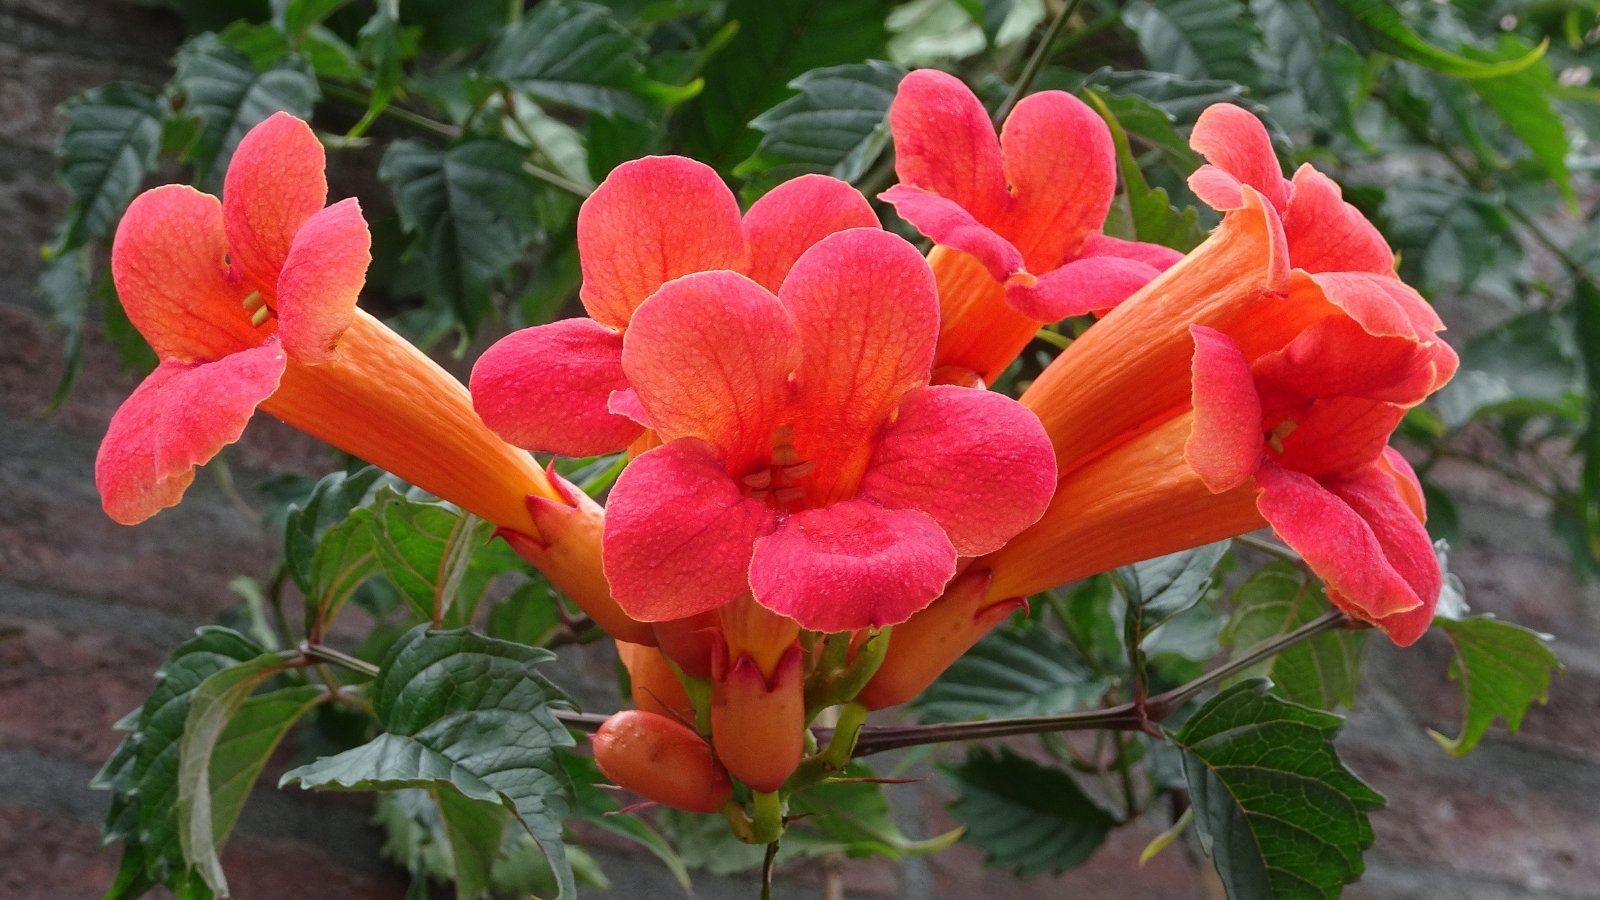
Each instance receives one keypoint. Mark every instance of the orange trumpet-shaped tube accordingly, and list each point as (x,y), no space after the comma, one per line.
(923,647)
(661,760)
(655,687)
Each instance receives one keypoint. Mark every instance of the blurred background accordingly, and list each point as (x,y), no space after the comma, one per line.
(1492,212)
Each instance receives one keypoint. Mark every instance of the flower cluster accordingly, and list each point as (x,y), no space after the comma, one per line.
(823,504)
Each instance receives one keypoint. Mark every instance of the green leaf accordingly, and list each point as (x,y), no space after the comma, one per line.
(1150,209)
(600,808)
(1197,39)
(331,502)
(1322,672)
(441,835)
(226,740)
(1522,100)
(381,46)
(471,209)
(468,714)
(295,17)
(109,145)
(1382,18)
(347,555)
(1180,98)
(1320,68)
(1028,818)
(777,41)
(577,55)
(1158,589)
(850,815)
(1274,807)
(439,557)
(838,125)
(229,96)
(1446,233)
(1503,668)
(143,772)
(1526,364)
(64,285)
(1012,672)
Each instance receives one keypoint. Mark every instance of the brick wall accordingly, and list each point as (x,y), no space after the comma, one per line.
(88,609)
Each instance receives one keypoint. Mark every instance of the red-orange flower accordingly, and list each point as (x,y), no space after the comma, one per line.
(1017,219)
(560,388)
(250,302)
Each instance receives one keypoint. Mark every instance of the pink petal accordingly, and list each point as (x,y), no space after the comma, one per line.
(678,533)
(1153,255)
(179,417)
(1383,304)
(949,224)
(791,217)
(1338,435)
(945,144)
(1224,448)
(1406,482)
(1336,357)
(650,221)
(851,565)
(1217,189)
(169,262)
(1236,142)
(1379,500)
(626,403)
(1091,284)
(1062,169)
(1338,541)
(321,279)
(710,355)
(547,388)
(1326,234)
(275,182)
(978,463)
(867,314)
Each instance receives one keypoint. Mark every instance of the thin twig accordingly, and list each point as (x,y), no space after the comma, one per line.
(1030,71)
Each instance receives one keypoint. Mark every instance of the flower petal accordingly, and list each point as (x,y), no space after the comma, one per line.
(851,565)
(179,417)
(1342,544)
(867,313)
(1381,501)
(1091,284)
(1338,435)
(945,144)
(1224,448)
(321,279)
(679,532)
(275,182)
(650,221)
(978,463)
(710,355)
(791,217)
(1326,234)
(1236,142)
(949,224)
(1153,255)
(1383,304)
(169,262)
(1336,357)
(1062,169)
(548,388)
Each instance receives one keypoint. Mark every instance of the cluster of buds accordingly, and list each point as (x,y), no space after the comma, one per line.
(824,504)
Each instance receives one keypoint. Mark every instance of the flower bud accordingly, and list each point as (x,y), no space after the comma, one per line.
(921,648)
(656,687)
(661,760)
(758,721)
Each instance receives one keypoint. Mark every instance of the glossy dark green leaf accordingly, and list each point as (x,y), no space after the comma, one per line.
(577,55)
(470,714)
(1522,100)
(1445,232)
(1322,672)
(1182,99)
(1396,37)
(108,146)
(1525,364)
(471,210)
(1196,39)
(443,836)
(776,42)
(1026,817)
(382,47)
(851,815)
(1012,672)
(1275,808)
(226,740)
(838,125)
(229,95)
(330,503)
(1149,209)
(1502,668)
(1158,589)
(142,774)
(440,558)
(1302,57)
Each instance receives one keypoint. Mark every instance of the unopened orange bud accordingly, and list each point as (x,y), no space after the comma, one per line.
(758,723)
(661,760)
(921,648)
(656,687)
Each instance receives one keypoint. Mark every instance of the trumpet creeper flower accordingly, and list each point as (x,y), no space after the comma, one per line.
(805,458)
(1017,219)
(560,388)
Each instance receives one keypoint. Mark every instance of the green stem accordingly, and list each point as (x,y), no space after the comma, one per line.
(324,653)
(1030,71)
(1162,705)
(768,819)
(398,113)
